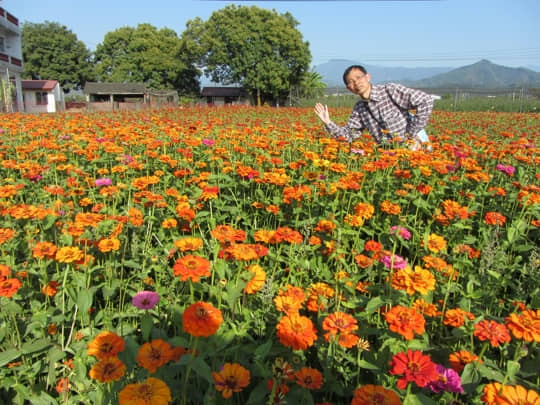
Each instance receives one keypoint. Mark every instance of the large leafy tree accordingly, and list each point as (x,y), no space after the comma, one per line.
(255,48)
(157,58)
(52,52)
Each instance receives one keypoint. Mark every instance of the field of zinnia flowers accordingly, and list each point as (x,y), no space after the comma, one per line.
(241,256)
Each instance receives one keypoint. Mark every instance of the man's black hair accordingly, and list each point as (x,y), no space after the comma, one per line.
(348,70)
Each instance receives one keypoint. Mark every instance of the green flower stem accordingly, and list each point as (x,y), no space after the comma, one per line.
(188,371)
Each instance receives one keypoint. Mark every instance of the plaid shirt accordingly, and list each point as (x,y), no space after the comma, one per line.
(386,114)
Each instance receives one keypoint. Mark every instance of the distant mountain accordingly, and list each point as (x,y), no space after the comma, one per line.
(332,72)
(482,74)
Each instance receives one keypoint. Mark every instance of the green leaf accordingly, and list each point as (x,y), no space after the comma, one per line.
(8,356)
(263,350)
(202,369)
(147,323)
(418,399)
(512,368)
(367,365)
(36,346)
(257,394)
(84,300)
(374,304)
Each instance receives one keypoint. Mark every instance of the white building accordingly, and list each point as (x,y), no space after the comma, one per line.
(11,65)
(42,96)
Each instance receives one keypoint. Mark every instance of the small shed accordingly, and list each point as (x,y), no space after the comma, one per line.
(115,96)
(42,96)
(224,95)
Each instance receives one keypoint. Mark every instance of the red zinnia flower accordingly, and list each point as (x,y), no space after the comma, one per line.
(415,367)
(495,332)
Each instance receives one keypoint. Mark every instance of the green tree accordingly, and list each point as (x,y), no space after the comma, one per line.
(311,85)
(157,58)
(255,48)
(52,52)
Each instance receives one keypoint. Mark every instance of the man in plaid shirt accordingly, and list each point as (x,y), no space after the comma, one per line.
(384,110)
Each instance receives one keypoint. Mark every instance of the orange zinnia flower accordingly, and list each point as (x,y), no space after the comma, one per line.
(372,246)
(526,325)
(51,288)
(69,254)
(227,234)
(190,243)
(43,250)
(340,325)
(154,354)
(325,226)
(310,378)
(456,317)
(436,243)
(106,344)
(231,378)
(287,304)
(405,321)
(418,281)
(425,308)
(288,235)
(458,360)
(495,332)
(497,394)
(257,278)
(135,217)
(364,210)
(201,319)
(390,208)
(494,218)
(9,287)
(108,244)
(363,261)
(108,369)
(191,267)
(6,234)
(318,293)
(375,394)
(153,391)
(296,331)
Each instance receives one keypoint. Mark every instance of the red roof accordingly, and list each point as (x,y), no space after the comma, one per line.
(45,85)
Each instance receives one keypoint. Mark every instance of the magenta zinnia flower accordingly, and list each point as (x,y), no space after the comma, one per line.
(145,299)
(103,181)
(448,380)
(403,232)
(394,262)
(509,170)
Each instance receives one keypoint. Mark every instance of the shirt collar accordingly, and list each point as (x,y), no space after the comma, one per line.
(376,93)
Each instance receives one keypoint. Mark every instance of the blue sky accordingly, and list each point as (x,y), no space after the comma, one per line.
(387,33)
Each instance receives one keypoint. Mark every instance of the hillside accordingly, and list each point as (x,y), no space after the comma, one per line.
(482,74)
(332,72)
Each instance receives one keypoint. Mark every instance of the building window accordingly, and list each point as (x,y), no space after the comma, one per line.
(2,45)
(41,98)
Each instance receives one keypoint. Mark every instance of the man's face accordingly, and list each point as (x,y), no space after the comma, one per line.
(357,81)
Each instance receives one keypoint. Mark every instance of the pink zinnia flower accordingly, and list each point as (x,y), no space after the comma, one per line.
(394,262)
(208,142)
(403,232)
(103,181)
(145,299)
